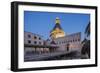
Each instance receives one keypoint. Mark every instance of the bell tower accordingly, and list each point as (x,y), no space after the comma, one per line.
(57,31)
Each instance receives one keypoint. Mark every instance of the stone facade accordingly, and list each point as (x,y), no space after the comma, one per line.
(33,39)
(69,43)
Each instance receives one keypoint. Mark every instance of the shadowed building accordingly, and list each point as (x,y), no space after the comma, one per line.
(35,44)
(35,40)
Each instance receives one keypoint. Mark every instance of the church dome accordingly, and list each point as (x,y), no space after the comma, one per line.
(57,31)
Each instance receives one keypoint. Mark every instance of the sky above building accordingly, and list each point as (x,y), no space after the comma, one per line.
(43,22)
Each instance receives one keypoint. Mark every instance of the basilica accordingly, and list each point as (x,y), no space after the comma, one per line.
(71,42)
(57,42)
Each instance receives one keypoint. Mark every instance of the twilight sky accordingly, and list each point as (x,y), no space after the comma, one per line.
(43,22)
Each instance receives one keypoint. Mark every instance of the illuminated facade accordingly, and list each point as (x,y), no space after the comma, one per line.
(65,42)
(69,43)
(57,31)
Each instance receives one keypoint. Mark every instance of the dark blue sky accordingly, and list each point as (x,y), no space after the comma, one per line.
(43,22)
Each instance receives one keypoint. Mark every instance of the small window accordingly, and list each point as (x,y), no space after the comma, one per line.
(40,43)
(73,40)
(35,37)
(78,39)
(29,41)
(67,48)
(29,36)
(39,38)
(35,42)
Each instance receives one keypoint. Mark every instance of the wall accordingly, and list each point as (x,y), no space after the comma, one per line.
(5,36)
